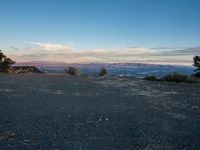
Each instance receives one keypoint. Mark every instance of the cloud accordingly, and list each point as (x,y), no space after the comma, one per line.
(62,52)
(122,51)
(170,48)
(138,50)
(49,47)
(37,51)
(187,51)
(15,48)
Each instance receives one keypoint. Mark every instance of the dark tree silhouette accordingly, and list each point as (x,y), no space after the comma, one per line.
(5,62)
(196,64)
(103,72)
(73,71)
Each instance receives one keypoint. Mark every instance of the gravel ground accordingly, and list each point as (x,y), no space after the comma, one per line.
(58,112)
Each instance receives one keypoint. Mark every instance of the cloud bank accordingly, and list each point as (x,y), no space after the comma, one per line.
(37,51)
(48,47)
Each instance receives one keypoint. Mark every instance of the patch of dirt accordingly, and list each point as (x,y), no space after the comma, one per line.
(136,87)
(177,116)
(56,92)
(7,90)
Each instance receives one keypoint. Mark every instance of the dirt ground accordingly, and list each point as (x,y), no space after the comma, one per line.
(59,112)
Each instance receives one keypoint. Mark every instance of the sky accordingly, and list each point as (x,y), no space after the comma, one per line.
(82,31)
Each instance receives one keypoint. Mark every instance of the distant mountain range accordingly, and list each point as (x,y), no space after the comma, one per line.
(120,69)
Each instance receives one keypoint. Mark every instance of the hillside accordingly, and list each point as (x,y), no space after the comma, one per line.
(120,69)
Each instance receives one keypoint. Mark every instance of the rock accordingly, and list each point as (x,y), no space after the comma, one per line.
(7,121)
(6,135)
(106,119)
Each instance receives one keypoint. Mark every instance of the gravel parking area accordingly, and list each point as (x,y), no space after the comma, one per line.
(59,112)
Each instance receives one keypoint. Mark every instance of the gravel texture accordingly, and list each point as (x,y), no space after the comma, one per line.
(59,112)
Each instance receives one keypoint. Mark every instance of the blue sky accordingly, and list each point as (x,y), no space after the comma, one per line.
(81,27)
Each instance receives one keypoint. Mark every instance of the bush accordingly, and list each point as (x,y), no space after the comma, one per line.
(73,71)
(197,75)
(196,64)
(193,79)
(103,72)
(150,78)
(5,62)
(24,69)
(175,77)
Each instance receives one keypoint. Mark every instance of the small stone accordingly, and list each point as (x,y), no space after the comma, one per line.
(88,121)
(6,135)
(12,134)
(26,140)
(7,120)
(9,145)
(106,119)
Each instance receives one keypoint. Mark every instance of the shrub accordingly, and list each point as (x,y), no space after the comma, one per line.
(175,77)
(73,71)
(5,62)
(25,69)
(103,72)
(150,78)
(193,79)
(197,75)
(196,64)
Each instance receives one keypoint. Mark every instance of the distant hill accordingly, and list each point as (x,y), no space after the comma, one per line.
(120,69)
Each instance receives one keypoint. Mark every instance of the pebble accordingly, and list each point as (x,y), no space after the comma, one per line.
(6,135)
(106,119)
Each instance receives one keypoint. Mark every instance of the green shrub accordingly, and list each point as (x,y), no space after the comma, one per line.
(175,77)
(103,72)
(196,64)
(24,69)
(93,75)
(5,62)
(150,78)
(193,79)
(73,71)
(197,75)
